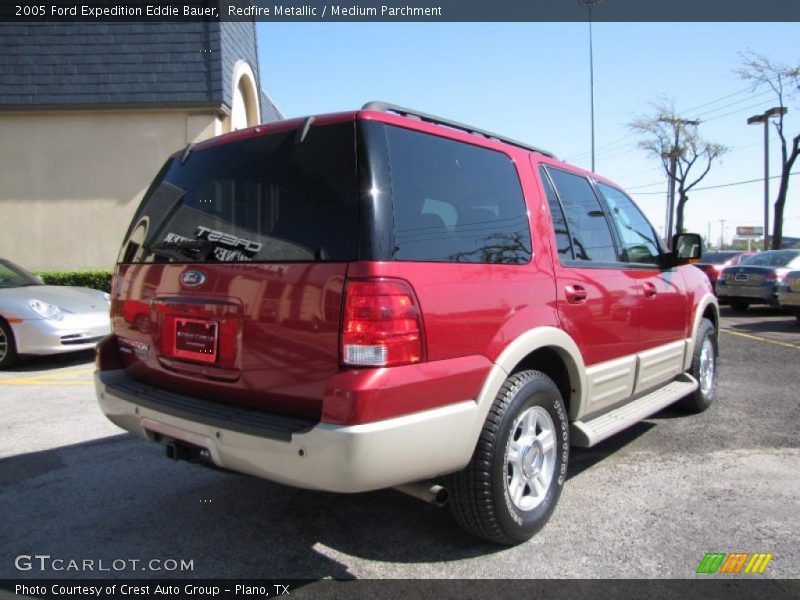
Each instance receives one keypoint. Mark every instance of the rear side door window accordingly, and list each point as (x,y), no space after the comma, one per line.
(639,240)
(586,221)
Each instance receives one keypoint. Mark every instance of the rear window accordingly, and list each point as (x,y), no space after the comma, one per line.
(269,198)
(455,202)
(774,258)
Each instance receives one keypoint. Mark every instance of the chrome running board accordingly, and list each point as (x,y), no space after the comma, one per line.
(586,434)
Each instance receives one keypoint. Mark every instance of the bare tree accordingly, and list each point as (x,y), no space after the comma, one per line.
(784,80)
(686,157)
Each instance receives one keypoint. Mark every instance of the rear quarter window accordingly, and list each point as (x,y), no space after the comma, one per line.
(455,202)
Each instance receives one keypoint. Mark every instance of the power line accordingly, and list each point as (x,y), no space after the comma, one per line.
(722,185)
(710,102)
(760,104)
(647,185)
(724,106)
(662,182)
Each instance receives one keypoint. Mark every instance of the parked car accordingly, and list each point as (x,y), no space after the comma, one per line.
(789,293)
(756,279)
(383,298)
(713,263)
(47,319)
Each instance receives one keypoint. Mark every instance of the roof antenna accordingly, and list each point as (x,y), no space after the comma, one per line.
(300,137)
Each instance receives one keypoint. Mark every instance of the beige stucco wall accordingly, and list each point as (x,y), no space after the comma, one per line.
(70,181)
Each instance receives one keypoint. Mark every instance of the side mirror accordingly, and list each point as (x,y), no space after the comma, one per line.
(686,248)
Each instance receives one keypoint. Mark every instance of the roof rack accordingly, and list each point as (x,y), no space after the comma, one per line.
(407,112)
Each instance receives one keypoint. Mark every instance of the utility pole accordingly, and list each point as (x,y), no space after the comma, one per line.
(721,233)
(673,155)
(708,235)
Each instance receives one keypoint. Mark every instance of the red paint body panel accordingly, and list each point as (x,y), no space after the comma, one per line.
(365,395)
(278,330)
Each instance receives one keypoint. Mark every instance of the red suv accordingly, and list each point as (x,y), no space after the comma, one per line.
(383,298)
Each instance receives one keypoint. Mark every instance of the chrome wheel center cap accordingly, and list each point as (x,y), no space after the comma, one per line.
(532,458)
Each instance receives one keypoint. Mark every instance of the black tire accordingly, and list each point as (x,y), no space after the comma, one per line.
(739,305)
(797,316)
(703,397)
(8,347)
(479,495)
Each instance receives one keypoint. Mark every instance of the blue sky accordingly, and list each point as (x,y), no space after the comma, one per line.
(531,81)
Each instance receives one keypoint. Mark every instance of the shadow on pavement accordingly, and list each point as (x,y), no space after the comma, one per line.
(120,498)
(581,459)
(32,364)
(786,325)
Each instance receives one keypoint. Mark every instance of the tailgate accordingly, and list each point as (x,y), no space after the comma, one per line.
(258,335)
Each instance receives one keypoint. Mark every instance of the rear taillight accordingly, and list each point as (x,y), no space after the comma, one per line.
(774,278)
(382,325)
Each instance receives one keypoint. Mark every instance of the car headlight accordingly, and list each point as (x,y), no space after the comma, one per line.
(107,296)
(45,310)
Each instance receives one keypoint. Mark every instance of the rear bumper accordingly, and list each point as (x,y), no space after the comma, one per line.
(756,294)
(320,456)
(790,299)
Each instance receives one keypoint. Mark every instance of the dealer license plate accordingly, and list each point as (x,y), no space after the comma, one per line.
(196,339)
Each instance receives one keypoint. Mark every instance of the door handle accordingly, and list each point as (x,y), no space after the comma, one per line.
(576,294)
(649,289)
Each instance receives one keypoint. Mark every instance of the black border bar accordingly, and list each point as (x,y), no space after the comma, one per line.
(711,588)
(429,11)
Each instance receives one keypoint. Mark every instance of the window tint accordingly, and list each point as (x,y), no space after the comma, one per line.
(559,222)
(266,198)
(639,241)
(455,202)
(587,224)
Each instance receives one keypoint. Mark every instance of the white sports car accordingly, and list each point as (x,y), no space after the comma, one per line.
(47,319)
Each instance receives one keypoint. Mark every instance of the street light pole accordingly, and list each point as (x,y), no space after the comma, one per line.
(776,111)
(589,4)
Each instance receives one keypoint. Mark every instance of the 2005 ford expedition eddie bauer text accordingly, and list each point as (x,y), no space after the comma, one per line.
(383,298)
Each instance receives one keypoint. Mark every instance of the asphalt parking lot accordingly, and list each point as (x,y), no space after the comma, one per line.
(648,503)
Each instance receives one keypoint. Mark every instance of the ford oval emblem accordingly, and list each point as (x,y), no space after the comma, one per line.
(193,278)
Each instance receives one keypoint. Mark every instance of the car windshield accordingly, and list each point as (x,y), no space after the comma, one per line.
(12,275)
(774,258)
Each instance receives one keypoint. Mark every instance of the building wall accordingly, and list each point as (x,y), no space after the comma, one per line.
(71,181)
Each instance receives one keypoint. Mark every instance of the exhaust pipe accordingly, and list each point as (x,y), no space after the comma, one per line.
(427,491)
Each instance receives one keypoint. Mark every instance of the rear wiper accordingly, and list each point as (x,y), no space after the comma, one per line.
(197,249)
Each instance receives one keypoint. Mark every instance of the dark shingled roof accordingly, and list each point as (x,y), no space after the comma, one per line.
(109,65)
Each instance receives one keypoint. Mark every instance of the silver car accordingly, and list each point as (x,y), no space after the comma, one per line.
(789,293)
(47,319)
